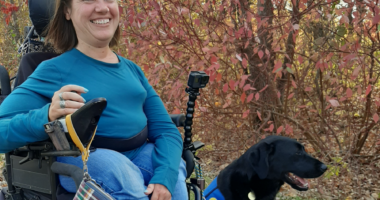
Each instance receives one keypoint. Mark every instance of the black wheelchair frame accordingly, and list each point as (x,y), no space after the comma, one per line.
(31,171)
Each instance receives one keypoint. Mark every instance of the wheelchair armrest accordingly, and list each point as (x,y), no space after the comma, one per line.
(5,83)
(72,171)
(61,153)
(37,150)
(178,119)
(46,149)
(37,146)
(188,157)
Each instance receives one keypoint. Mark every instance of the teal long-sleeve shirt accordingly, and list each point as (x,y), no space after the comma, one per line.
(132,104)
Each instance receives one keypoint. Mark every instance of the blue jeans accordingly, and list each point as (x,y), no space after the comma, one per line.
(121,177)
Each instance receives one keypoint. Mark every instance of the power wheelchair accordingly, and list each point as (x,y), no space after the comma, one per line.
(31,171)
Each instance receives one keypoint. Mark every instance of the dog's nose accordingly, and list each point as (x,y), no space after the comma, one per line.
(323,168)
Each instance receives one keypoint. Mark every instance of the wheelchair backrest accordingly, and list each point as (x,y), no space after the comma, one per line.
(29,63)
(5,87)
(40,13)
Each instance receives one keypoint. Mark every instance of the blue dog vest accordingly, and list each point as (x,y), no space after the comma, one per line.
(212,192)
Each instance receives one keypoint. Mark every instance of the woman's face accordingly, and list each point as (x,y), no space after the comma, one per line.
(95,21)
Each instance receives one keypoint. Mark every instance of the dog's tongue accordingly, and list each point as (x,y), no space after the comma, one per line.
(302,182)
(298,180)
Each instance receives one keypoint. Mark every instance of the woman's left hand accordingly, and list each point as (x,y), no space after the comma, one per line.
(160,192)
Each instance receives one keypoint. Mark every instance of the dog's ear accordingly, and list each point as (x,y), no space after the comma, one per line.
(259,159)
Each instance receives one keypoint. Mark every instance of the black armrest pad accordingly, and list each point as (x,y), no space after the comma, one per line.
(178,119)
(188,157)
(72,171)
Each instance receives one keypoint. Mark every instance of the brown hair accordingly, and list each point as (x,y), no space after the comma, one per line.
(61,33)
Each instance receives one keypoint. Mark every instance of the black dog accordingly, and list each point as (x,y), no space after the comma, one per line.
(263,169)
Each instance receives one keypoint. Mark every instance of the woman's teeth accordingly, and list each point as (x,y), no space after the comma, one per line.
(100,21)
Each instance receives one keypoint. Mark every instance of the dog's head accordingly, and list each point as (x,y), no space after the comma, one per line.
(282,158)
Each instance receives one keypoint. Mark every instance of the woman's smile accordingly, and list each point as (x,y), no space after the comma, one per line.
(103,16)
(100,21)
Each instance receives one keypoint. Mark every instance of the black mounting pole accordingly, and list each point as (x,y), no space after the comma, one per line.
(193,93)
(8,167)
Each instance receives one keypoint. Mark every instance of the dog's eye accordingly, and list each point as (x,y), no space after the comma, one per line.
(298,153)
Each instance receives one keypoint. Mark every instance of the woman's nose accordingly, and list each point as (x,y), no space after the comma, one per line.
(102,7)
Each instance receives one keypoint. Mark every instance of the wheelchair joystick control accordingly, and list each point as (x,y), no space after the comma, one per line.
(78,127)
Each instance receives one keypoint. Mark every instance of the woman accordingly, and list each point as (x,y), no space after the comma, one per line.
(84,30)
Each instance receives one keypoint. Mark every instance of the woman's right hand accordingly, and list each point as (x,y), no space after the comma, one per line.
(72,101)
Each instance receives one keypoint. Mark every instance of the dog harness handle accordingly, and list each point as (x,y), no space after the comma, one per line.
(85,151)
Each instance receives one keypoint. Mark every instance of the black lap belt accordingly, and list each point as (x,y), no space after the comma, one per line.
(121,145)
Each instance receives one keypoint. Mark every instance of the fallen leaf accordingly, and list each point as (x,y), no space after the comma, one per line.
(368,90)
(203,109)
(243,96)
(259,115)
(245,114)
(271,127)
(376,117)
(348,93)
(238,57)
(261,54)
(294,84)
(232,84)
(218,77)
(225,87)
(376,19)
(246,87)
(176,111)
(263,88)
(250,97)
(334,102)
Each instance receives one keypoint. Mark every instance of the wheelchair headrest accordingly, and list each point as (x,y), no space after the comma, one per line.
(41,12)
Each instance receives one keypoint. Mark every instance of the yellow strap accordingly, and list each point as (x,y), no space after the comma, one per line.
(76,140)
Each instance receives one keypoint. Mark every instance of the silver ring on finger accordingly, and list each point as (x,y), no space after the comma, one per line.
(60,96)
(62,104)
